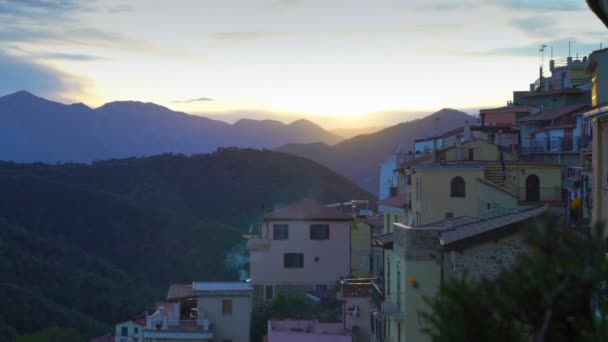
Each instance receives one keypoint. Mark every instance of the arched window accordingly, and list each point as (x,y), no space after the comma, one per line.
(532,188)
(457,187)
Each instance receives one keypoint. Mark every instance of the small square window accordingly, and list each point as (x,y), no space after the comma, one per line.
(124,331)
(319,232)
(280,232)
(316,259)
(293,260)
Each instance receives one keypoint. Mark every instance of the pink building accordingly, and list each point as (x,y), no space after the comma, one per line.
(306,331)
(302,247)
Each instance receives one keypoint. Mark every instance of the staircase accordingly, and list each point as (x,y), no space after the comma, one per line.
(493,173)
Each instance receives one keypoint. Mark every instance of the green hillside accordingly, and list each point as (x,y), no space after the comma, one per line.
(85,246)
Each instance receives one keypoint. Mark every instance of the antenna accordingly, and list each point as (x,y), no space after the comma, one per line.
(569,54)
(542,58)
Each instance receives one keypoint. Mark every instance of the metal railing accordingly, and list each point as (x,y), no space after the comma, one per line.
(553,145)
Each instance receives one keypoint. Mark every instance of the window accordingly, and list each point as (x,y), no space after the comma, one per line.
(457,188)
(293,260)
(136,330)
(319,232)
(316,259)
(124,331)
(280,232)
(471,156)
(269,292)
(227,307)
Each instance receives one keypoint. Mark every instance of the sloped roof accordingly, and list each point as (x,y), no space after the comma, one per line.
(212,286)
(398,201)
(179,291)
(565,91)
(385,240)
(375,221)
(555,113)
(307,209)
(480,227)
(507,109)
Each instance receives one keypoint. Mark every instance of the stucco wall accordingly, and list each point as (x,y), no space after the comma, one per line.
(267,266)
(361,235)
(434,197)
(235,326)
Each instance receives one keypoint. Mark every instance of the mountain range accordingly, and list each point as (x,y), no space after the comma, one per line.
(36,129)
(358,158)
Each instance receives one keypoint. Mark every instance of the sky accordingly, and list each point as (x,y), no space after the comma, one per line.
(339,63)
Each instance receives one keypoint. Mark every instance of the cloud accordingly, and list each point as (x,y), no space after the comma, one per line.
(39,7)
(22,73)
(76,57)
(200,99)
(241,36)
(546,5)
(540,26)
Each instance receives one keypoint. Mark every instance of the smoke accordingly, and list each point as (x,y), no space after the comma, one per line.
(238,260)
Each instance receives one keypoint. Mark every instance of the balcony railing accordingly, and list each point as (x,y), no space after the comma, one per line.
(553,145)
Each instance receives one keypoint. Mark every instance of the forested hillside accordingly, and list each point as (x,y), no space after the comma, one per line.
(85,246)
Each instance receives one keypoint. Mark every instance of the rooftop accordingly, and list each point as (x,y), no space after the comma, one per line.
(307,209)
(483,226)
(508,109)
(564,91)
(555,113)
(179,291)
(213,286)
(398,201)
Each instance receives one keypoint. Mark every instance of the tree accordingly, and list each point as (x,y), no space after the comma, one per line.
(554,293)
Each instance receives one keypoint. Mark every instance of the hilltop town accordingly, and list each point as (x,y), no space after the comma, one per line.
(456,204)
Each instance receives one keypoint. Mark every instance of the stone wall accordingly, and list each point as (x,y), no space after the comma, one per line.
(487,260)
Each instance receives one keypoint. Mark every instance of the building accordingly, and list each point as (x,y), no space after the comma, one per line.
(306,331)
(422,258)
(301,247)
(598,117)
(388,179)
(131,330)
(355,294)
(202,311)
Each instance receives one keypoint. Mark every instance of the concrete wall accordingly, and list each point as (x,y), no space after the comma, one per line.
(550,180)
(599,213)
(361,248)
(493,202)
(235,326)
(333,255)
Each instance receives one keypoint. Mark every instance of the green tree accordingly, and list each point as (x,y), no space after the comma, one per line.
(556,292)
(52,334)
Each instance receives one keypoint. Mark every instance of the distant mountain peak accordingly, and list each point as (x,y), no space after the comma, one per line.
(22,95)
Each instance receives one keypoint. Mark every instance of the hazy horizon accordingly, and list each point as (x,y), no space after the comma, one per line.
(357,64)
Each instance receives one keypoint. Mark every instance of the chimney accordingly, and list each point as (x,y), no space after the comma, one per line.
(551,65)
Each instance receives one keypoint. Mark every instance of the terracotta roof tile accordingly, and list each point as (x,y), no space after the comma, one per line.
(307,209)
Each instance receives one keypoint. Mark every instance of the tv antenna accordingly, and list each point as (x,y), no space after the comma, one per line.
(542,58)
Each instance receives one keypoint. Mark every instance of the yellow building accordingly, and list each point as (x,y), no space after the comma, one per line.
(598,68)
(420,259)
(489,184)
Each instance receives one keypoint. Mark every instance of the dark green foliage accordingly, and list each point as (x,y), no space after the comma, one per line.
(105,240)
(53,334)
(554,293)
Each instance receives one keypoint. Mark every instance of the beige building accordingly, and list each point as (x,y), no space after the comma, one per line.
(302,247)
(202,311)
(598,68)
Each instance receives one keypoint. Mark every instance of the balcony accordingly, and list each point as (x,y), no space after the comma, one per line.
(358,287)
(165,324)
(554,145)
(256,244)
